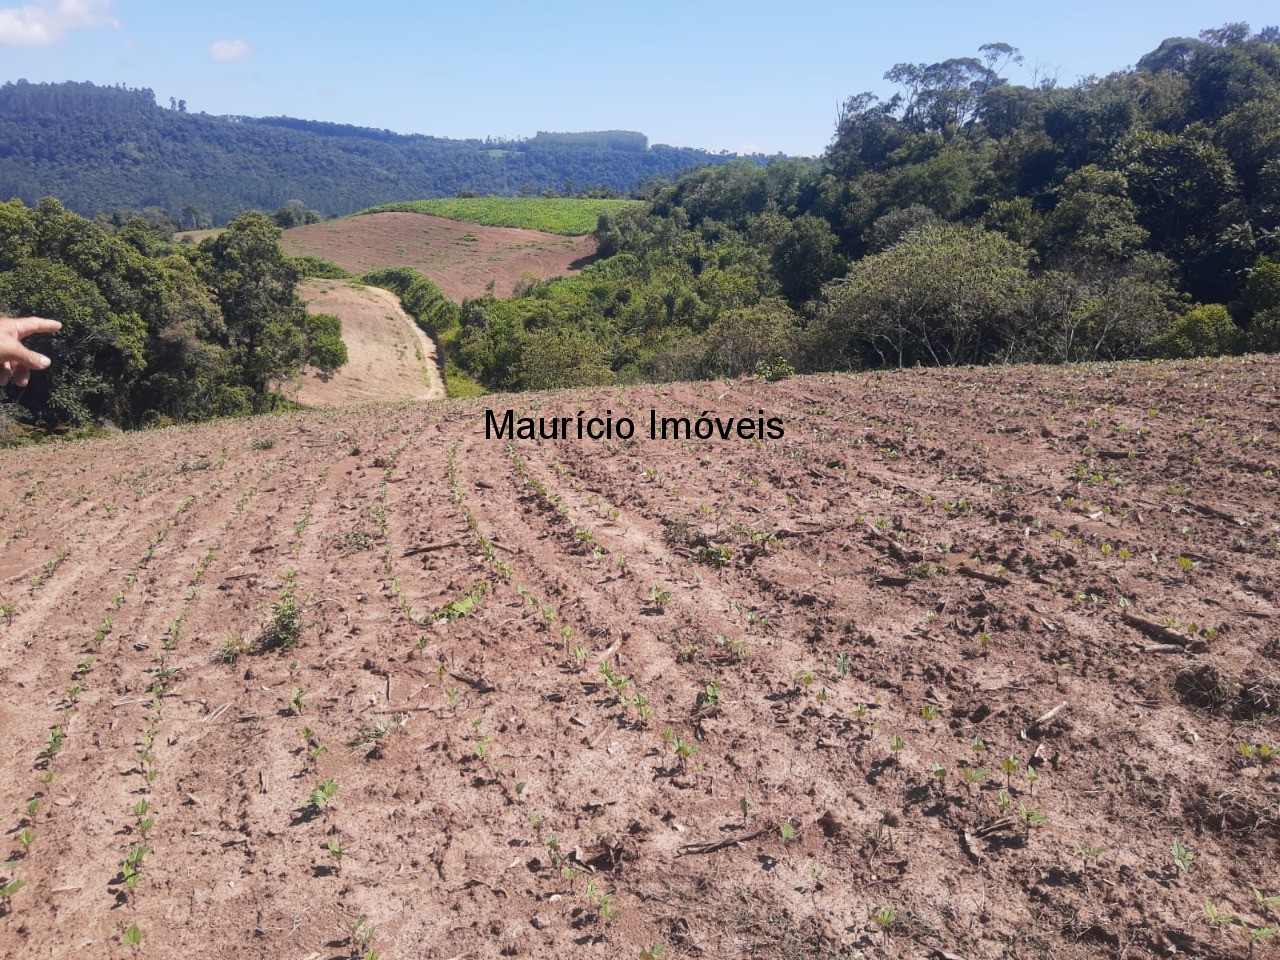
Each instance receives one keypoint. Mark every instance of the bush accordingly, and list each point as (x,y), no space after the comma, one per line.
(1203,331)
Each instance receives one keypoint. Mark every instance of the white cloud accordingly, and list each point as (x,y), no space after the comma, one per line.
(46,22)
(224,51)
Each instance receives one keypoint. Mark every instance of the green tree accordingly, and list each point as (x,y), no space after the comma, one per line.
(944,295)
(267,330)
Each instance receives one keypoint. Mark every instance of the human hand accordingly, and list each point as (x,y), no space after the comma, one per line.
(16,361)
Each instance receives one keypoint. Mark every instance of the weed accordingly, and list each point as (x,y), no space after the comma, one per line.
(1092,854)
(1182,857)
(286,625)
(886,918)
(232,649)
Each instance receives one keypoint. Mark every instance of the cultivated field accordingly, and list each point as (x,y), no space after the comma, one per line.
(564,215)
(971,663)
(388,355)
(462,258)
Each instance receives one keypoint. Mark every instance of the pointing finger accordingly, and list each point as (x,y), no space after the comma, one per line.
(25,326)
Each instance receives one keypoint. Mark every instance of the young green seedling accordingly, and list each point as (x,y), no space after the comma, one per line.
(323,795)
(1009,765)
(131,936)
(972,776)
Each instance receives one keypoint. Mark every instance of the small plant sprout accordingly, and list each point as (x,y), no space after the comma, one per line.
(929,712)
(978,745)
(973,776)
(1009,765)
(842,664)
(131,868)
(709,696)
(33,807)
(939,772)
(652,953)
(1031,816)
(131,936)
(297,701)
(659,597)
(746,806)
(788,831)
(1032,776)
(1182,857)
(26,837)
(7,890)
(1092,854)
(1003,800)
(52,745)
(885,918)
(334,848)
(360,934)
(896,743)
(804,678)
(322,796)
(683,750)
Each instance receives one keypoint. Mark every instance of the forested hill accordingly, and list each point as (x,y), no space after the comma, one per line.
(109,148)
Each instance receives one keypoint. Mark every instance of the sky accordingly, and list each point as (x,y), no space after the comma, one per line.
(739,75)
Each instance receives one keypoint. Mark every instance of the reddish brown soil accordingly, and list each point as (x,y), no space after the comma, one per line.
(388,355)
(462,258)
(903,518)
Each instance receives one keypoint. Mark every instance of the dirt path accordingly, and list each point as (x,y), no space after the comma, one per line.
(389,356)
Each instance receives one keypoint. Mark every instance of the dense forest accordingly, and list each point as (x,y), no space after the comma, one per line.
(150,336)
(964,219)
(103,149)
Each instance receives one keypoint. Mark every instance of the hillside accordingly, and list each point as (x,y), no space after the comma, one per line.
(959,662)
(389,357)
(461,258)
(109,148)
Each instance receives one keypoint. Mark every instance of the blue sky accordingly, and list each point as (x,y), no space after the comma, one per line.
(740,76)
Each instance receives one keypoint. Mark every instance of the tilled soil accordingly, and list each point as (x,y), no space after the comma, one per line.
(463,259)
(589,698)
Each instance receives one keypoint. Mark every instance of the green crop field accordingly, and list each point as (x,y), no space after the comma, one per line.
(566,216)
